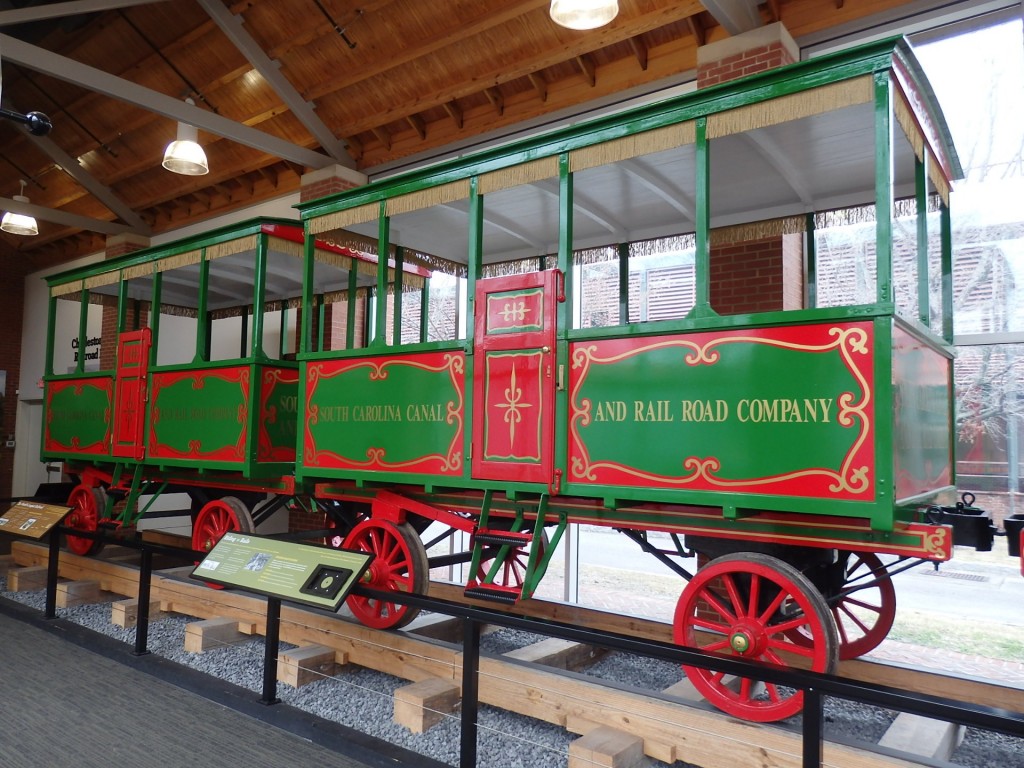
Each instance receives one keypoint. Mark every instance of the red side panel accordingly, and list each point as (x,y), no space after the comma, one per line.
(514,387)
(130,397)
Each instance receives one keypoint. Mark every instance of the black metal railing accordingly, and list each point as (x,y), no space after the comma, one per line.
(815,686)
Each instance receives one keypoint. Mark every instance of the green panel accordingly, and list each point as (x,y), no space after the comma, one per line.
(78,415)
(200,414)
(401,414)
(728,412)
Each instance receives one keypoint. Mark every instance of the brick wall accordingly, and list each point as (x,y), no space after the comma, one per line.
(743,63)
(757,275)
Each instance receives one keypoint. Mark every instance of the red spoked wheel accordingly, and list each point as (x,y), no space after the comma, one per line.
(749,605)
(216,518)
(399,565)
(512,570)
(863,614)
(87,506)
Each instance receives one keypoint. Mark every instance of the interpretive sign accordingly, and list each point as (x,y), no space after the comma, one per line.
(289,570)
(31,519)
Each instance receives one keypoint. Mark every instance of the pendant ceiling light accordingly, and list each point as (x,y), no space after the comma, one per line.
(19,223)
(184,155)
(583,14)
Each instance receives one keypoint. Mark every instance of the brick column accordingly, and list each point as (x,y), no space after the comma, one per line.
(763,274)
(329,181)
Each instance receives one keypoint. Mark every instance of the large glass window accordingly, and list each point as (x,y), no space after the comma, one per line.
(978,77)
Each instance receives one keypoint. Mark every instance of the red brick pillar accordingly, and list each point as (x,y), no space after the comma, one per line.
(329,181)
(752,273)
(117,245)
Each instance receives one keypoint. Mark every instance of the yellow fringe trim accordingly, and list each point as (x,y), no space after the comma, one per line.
(75,286)
(649,142)
(346,218)
(794,106)
(427,198)
(758,230)
(139,270)
(241,245)
(107,278)
(524,173)
(186,259)
(287,247)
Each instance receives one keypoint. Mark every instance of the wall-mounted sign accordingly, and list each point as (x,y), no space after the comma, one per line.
(302,573)
(31,519)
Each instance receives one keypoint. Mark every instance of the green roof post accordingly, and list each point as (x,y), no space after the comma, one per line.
(921,217)
(383,247)
(884,196)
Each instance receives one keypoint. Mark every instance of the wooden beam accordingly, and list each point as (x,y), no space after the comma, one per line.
(454,112)
(417,124)
(382,136)
(588,68)
(775,10)
(697,29)
(497,100)
(539,84)
(640,51)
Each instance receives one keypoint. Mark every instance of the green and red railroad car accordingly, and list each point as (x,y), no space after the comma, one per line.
(630,322)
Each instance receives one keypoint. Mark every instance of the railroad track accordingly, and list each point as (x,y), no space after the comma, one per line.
(671,728)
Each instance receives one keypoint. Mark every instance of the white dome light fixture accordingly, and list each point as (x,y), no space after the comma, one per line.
(19,223)
(184,155)
(583,14)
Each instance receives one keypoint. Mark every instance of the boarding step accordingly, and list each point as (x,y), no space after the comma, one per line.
(495,593)
(500,538)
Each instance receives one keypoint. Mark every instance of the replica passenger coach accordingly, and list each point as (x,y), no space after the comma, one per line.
(639,322)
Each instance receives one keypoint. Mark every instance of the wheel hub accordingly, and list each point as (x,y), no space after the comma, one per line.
(740,642)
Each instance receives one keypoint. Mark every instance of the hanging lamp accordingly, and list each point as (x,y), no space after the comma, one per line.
(583,14)
(184,155)
(19,223)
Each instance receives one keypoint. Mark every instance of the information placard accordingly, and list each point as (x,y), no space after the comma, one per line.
(302,573)
(31,518)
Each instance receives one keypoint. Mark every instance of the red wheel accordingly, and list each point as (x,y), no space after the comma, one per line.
(399,565)
(87,506)
(512,570)
(863,614)
(749,605)
(216,518)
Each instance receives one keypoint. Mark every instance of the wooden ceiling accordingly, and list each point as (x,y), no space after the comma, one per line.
(282,87)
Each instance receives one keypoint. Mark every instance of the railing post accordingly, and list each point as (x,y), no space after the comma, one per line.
(813,719)
(470,692)
(52,563)
(142,617)
(270,656)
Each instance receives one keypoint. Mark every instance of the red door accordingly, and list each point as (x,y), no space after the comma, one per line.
(514,383)
(130,393)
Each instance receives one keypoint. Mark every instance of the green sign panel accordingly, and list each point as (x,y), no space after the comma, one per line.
(78,416)
(775,411)
(200,414)
(289,570)
(401,414)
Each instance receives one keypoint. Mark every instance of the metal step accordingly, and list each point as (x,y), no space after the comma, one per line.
(502,538)
(496,594)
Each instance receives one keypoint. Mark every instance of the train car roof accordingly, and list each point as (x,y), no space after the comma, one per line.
(806,133)
(233,247)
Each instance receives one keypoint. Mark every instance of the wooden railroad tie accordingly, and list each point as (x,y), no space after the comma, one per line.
(931,739)
(606,747)
(301,666)
(125,613)
(201,636)
(26,579)
(421,705)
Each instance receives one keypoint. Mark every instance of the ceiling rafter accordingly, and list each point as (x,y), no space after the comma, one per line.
(455,113)
(588,68)
(639,48)
(232,26)
(540,85)
(497,100)
(498,73)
